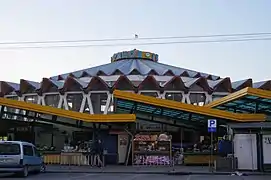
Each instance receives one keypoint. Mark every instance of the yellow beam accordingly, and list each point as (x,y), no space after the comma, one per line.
(239,94)
(67,114)
(215,113)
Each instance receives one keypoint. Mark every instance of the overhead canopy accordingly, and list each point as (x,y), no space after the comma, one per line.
(247,100)
(249,126)
(56,112)
(127,102)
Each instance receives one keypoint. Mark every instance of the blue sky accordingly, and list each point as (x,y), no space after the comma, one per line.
(42,20)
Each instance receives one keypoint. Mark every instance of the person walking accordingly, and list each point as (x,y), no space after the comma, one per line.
(98,153)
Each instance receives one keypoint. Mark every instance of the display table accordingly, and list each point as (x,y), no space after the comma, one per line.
(73,158)
(51,157)
(66,158)
(199,158)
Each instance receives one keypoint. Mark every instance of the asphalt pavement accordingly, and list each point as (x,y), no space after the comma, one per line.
(100,176)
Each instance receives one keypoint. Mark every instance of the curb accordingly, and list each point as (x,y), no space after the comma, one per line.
(162,173)
(219,173)
(107,172)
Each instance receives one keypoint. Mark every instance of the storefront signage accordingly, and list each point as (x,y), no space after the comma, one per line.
(149,126)
(266,149)
(21,129)
(267,140)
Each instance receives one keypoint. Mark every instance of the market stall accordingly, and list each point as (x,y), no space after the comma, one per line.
(69,155)
(202,153)
(150,149)
(199,158)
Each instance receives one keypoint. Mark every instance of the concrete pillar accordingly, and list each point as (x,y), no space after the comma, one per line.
(95,99)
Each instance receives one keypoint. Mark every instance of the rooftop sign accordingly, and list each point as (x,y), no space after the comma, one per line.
(134,54)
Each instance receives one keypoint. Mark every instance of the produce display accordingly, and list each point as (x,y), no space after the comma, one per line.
(145,137)
(152,149)
(151,160)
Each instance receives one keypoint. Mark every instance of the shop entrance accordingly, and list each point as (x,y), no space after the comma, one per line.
(24,136)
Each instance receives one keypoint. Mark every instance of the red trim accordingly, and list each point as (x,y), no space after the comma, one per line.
(202,82)
(69,82)
(247,83)
(149,79)
(125,79)
(266,85)
(94,81)
(184,74)
(175,80)
(46,84)
(226,83)
(5,88)
(169,73)
(152,73)
(25,86)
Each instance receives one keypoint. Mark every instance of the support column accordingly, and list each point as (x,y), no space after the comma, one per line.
(33,133)
(181,136)
(96,103)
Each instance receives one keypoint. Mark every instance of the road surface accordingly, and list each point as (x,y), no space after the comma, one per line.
(82,176)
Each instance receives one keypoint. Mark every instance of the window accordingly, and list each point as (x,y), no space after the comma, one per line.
(9,149)
(52,100)
(28,150)
(174,96)
(31,99)
(36,152)
(74,101)
(197,99)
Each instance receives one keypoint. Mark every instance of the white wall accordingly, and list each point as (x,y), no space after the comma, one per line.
(266,149)
(245,149)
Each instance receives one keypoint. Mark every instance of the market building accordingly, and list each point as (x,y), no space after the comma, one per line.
(132,99)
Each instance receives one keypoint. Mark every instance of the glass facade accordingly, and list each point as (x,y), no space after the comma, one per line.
(74,101)
(52,100)
(174,96)
(11,110)
(31,99)
(98,101)
(197,99)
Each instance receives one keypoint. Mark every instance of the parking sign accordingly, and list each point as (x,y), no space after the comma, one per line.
(211,125)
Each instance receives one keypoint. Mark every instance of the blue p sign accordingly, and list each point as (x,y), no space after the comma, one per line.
(212,125)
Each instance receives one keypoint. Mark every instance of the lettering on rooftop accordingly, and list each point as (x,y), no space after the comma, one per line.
(134,54)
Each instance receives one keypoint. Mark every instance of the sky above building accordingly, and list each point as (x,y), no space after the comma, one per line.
(40,20)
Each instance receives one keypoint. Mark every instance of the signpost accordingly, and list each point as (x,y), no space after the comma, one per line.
(212,125)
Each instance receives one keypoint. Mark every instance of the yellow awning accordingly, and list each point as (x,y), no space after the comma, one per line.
(198,110)
(239,94)
(66,113)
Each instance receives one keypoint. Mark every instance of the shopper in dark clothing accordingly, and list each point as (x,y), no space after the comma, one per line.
(98,150)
